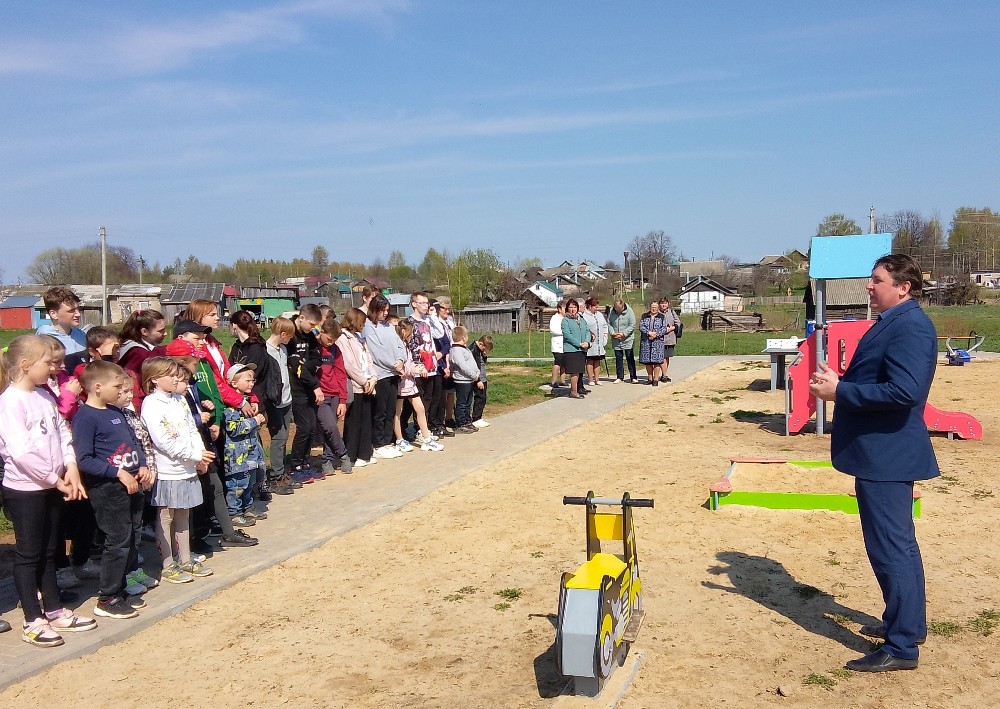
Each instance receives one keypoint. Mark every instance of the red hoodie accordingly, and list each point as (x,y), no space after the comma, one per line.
(332,374)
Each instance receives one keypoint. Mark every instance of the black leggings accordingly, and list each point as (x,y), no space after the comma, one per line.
(35,516)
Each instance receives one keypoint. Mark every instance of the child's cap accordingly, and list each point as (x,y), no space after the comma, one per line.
(237,368)
(185,326)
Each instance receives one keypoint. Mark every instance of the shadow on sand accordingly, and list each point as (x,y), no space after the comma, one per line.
(768,583)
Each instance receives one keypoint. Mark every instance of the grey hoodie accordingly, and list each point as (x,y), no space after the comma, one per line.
(463,365)
(384,347)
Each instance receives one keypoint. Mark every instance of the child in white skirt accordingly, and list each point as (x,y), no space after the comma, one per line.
(179,454)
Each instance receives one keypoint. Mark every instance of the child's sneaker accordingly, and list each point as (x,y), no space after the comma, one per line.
(135,588)
(200,558)
(40,633)
(466,428)
(66,579)
(174,574)
(431,446)
(345,464)
(90,570)
(303,475)
(137,602)
(253,514)
(195,568)
(361,462)
(242,521)
(239,538)
(69,622)
(117,607)
(404,446)
(140,576)
(481,423)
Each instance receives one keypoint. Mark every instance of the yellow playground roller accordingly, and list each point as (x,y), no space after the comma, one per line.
(600,605)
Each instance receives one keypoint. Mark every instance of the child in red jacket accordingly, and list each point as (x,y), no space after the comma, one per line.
(333,382)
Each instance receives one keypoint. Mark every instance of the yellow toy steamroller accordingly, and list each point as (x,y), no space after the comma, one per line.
(600,605)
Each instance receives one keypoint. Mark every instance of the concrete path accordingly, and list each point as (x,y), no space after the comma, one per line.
(322,510)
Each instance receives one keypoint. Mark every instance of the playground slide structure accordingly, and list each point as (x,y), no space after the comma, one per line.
(842,343)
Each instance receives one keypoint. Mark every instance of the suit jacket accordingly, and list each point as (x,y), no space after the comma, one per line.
(878,422)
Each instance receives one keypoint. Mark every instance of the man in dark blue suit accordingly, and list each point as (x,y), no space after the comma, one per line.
(879,437)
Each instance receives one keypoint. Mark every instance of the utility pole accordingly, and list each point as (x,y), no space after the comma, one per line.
(871,219)
(104,276)
(142,264)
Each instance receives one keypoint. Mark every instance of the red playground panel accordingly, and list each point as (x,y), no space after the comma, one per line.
(842,343)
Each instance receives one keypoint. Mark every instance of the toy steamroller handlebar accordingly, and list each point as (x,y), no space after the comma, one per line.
(624,501)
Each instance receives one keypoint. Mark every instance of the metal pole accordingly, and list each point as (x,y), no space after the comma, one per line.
(821,353)
(104,276)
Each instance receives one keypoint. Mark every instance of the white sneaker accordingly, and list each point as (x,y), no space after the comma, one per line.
(617,381)
(481,423)
(389,451)
(360,463)
(431,446)
(90,570)
(403,445)
(66,579)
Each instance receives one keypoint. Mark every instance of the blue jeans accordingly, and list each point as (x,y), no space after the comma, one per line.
(239,491)
(463,402)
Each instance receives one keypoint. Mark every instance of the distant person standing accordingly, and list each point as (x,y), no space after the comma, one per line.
(653,327)
(673,324)
(879,437)
(558,357)
(621,322)
(598,338)
(62,306)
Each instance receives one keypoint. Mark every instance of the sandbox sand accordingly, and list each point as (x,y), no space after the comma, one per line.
(400,613)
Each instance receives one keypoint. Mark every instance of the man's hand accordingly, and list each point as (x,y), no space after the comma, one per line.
(207,457)
(247,409)
(128,480)
(823,383)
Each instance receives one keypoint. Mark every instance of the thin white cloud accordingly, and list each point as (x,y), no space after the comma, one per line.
(148,49)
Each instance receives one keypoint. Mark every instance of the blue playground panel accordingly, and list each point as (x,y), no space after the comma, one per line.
(846,256)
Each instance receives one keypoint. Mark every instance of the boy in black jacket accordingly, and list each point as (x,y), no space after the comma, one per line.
(304,361)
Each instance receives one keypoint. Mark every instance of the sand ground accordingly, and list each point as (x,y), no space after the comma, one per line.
(401,612)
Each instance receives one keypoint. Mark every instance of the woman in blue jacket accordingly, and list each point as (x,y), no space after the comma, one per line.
(576,342)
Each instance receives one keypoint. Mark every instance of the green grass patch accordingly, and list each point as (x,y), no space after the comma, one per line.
(818,680)
(5,524)
(944,628)
(509,594)
(501,607)
(751,415)
(806,592)
(985,622)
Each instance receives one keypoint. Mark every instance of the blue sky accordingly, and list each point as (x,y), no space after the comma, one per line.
(549,129)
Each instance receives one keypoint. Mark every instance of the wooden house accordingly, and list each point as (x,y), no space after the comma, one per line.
(702,293)
(504,317)
(126,299)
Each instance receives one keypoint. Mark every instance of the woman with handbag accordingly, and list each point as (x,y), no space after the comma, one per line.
(673,323)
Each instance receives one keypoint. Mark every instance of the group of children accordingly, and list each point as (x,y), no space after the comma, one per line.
(101,432)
